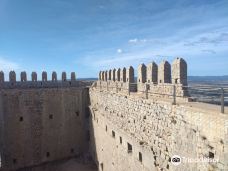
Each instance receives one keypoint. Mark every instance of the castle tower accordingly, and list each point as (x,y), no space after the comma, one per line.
(2,79)
(44,76)
(34,76)
(123,75)
(118,74)
(179,71)
(73,76)
(114,74)
(12,76)
(23,76)
(152,73)
(164,72)
(130,75)
(142,73)
(54,76)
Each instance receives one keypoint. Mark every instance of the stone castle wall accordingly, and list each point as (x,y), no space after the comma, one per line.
(24,78)
(156,130)
(153,79)
(24,82)
(42,121)
(48,120)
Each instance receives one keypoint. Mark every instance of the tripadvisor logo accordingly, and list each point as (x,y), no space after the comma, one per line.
(176,160)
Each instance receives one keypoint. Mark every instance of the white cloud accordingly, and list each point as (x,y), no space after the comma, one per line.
(144,41)
(214,38)
(130,58)
(7,65)
(206,43)
(133,40)
(138,40)
(141,40)
(119,50)
(209,51)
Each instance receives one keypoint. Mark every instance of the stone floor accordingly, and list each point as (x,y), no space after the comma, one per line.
(65,165)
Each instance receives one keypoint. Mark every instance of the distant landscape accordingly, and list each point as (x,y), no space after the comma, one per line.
(202,88)
(208,88)
(215,80)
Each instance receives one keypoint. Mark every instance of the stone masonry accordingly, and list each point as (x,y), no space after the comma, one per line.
(41,121)
(121,124)
(153,79)
(131,133)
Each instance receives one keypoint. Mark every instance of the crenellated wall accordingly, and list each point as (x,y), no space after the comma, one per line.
(24,82)
(49,120)
(158,81)
(23,76)
(131,134)
(42,121)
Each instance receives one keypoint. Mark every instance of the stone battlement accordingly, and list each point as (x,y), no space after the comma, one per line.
(118,122)
(35,83)
(155,79)
(146,133)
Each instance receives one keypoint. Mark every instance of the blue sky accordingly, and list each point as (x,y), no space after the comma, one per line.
(86,36)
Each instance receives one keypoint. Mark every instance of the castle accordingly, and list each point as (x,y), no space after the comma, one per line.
(123,124)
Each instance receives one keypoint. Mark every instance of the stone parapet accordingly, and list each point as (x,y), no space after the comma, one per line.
(163,80)
(35,83)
